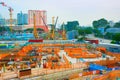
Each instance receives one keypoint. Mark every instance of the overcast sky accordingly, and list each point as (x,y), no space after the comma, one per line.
(85,11)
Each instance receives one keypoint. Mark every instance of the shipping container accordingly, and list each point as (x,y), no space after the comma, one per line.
(94,41)
(35,40)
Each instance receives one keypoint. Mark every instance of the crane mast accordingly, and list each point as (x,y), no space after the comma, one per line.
(35,30)
(51,34)
(53,28)
(10,10)
(11,20)
(63,33)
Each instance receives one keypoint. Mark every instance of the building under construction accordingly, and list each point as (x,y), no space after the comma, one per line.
(35,58)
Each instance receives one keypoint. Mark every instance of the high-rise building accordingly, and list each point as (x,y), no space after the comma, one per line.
(14,22)
(111,23)
(25,18)
(22,18)
(38,15)
(2,22)
(72,34)
(40,19)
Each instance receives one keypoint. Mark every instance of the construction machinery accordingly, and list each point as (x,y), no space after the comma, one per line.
(51,34)
(35,30)
(63,33)
(35,33)
(46,27)
(53,29)
(10,11)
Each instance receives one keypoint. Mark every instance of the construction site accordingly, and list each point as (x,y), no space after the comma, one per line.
(55,58)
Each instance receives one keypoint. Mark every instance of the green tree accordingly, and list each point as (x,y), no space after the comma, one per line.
(95,24)
(97,33)
(117,25)
(82,38)
(116,37)
(88,30)
(108,26)
(4,29)
(113,41)
(109,35)
(81,31)
(72,25)
(84,31)
(100,23)
(31,30)
(103,22)
(39,29)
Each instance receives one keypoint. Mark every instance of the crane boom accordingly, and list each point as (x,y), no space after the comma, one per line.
(56,22)
(44,22)
(51,34)
(46,27)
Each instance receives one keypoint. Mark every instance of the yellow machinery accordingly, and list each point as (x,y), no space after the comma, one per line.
(63,33)
(48,36)
(10,10)
(35,30)
(11,20)
(53,29)
(51,34)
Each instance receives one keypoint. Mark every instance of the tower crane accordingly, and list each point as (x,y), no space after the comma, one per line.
(10,11)
(63,33)
(45,26)
(53,28)
(35,33)
(51,34)
(34,29)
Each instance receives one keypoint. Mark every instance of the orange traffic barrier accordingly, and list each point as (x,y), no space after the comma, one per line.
(111,76)
(103,49)
(77,75)
(3,55)
(107,62)
(80,53)
(117,55)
